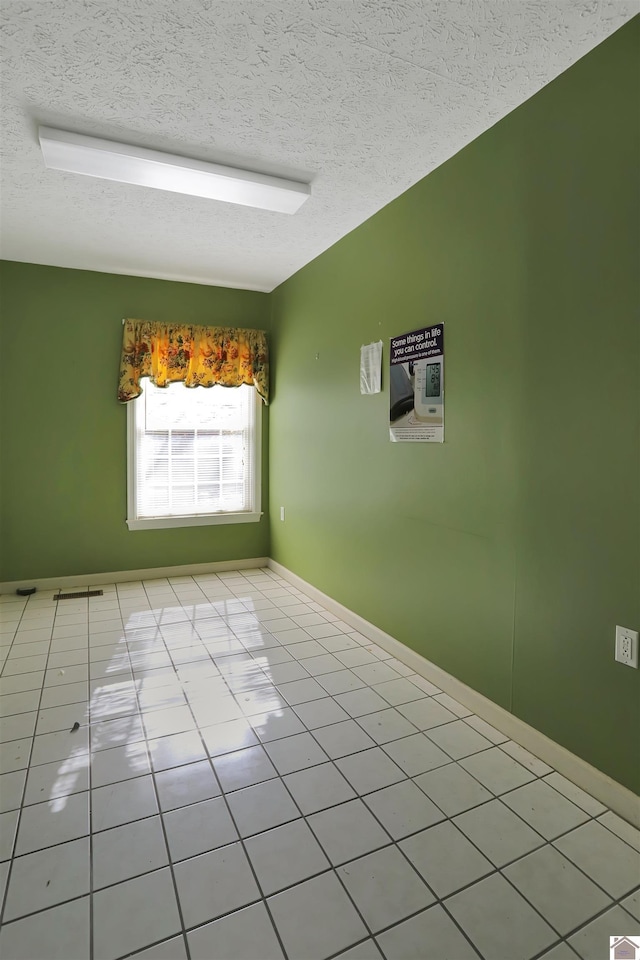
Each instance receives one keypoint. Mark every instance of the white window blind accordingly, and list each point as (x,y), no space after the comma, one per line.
(195,455)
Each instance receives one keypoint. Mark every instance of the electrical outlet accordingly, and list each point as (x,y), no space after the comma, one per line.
(282,513)
(627,646)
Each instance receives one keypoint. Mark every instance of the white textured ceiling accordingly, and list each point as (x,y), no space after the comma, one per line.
(363,97)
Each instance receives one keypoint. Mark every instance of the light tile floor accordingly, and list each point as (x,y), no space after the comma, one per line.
(217,768)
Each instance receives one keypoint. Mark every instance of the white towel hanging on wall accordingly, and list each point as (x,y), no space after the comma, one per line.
(370,367)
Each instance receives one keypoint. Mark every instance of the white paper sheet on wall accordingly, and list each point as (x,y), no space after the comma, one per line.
(370,367)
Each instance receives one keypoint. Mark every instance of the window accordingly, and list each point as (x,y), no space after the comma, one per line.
(193,456)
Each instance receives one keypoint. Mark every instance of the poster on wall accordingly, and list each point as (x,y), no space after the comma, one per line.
(416,379)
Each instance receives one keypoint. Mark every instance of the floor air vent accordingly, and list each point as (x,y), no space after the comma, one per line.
(80,595)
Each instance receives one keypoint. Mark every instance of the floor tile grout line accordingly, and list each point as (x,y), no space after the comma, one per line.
(545,951)
(442,905)
(13,641)
(461,890)
(580,926)
(164,833)
(545,842)
(34,913)
(352,717)
(90,799)
(497,870)
(358,943)
(384,743)
(241,839)
(330,869)
(170,863)
(589,816)
(164,827)
(495,796)
(306,816)
(396,845)
(3,903)
(393,843)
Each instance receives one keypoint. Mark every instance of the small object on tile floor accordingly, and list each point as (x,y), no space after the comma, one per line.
(25,591)
(61,673)
(75,727)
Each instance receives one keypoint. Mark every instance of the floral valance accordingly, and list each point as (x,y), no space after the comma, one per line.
(198,356)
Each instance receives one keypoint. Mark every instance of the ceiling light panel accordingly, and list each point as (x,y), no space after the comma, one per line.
(124,163)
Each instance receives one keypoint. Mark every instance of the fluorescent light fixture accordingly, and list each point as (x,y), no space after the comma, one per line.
(124,163)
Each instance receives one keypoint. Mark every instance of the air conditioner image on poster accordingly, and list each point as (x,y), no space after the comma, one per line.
(429,391)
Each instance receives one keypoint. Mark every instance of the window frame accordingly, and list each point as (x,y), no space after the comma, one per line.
(201,519)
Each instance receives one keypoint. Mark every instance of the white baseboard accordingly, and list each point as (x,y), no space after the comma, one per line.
(609,792)
(122,576)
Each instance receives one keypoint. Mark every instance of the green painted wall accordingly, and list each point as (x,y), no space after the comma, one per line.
(63,433)
(507,554)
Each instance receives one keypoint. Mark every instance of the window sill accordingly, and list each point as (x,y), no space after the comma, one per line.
(202,520)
